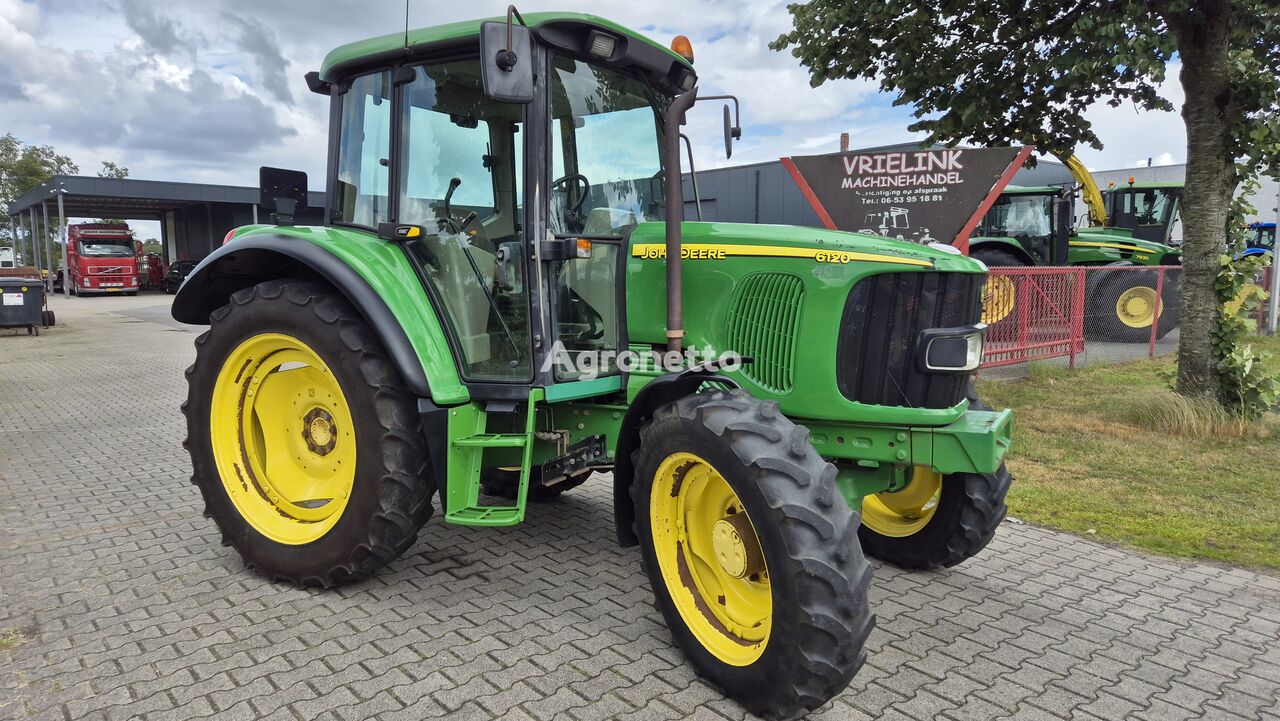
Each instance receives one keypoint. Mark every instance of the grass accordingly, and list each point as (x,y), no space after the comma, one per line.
(1109,451)
(10,638)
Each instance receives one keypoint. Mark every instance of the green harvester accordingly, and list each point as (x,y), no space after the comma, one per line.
(504,298)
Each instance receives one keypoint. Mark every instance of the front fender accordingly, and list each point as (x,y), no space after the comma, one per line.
(372,274)
(1006,244)
(655,394)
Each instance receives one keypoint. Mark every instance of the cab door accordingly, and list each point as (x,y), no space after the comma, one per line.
(605,178)
(458,158)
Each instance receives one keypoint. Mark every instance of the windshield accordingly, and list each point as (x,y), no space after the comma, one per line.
(606,133)
(106,248)
(1264,236)
(1019,216)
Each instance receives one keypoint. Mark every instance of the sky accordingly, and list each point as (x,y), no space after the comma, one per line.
(209,90)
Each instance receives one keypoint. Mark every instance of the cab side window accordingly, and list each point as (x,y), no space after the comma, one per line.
(364,152)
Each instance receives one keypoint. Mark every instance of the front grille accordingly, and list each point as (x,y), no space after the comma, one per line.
(875,355)
(762,326)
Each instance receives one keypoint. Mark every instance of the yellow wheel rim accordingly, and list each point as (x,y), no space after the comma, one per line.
(905,512)
(998,299)
(710,559)
(1136,307)
(283,439)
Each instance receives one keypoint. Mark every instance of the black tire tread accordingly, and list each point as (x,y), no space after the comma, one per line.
(976,512)
(996,257)
(405,485)
(826,646)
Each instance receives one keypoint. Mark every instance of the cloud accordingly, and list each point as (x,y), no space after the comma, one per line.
(1130,136)
(207,90)
(260,42)
(131,104)
(159,33)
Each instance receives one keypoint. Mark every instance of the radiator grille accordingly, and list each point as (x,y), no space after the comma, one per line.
(762,325)
(875,355)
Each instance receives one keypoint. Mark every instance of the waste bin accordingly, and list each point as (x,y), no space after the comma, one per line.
(21,304)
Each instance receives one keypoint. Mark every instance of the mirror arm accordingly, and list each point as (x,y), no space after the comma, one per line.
(737,117)
(507,58)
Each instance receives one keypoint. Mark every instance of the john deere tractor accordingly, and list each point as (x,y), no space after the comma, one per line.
(1130,227)
(504,290)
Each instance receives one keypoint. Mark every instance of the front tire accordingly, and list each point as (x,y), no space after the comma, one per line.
(305,442)
(751,551)
(936,521)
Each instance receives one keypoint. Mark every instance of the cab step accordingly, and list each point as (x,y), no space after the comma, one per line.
(468,439)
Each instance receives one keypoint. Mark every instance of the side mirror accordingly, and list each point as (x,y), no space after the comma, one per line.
(282,192)
(731,132)
(506,61)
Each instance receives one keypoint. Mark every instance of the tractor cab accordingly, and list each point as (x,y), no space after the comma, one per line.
(513,206)
(1261,239)
(1149,210)
(1028,221)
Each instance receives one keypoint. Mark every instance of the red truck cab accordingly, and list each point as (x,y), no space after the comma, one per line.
(103,258)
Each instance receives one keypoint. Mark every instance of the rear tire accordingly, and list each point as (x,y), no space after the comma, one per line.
(1119,300)
(814,574)
(969,508)
(390,485)
(1000,296)
(48,318)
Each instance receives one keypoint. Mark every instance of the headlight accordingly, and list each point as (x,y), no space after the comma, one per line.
(950,350)
(85,283)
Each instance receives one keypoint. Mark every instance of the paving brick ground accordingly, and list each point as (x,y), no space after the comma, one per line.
(126,606)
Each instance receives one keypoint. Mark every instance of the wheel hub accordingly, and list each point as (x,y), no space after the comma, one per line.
(1136,307)
(735,546)
(319,432)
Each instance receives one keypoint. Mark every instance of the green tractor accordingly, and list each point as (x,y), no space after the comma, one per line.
(1029,226)
(505,299)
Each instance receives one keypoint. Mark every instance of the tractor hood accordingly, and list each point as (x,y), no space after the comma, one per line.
(785,297)
(1121,240)
(721,241)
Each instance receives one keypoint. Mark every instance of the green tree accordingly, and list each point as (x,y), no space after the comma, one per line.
(23,167)
(112,170)
(1013,72)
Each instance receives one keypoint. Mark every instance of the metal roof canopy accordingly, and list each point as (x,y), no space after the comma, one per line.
(132,199)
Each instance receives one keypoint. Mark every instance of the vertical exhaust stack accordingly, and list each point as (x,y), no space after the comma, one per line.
(674,191)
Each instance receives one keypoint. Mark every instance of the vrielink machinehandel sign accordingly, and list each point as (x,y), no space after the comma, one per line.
(923,196)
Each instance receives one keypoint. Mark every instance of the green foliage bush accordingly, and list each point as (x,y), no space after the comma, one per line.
(1246,384)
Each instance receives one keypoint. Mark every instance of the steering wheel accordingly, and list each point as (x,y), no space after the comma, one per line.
(563,183)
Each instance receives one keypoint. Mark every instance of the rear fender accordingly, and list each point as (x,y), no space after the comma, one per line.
(374,279)
(1006,244)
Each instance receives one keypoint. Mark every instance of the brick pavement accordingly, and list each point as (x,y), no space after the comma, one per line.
(126,606)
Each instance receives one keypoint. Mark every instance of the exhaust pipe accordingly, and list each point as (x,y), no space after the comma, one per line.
(673,189)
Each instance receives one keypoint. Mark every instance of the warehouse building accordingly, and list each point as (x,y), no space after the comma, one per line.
(194,217)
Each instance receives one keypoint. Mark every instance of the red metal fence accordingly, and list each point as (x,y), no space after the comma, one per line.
(1078,313)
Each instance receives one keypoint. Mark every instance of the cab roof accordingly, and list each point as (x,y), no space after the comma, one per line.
(1145,185)
(392,45)
(1030,190)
